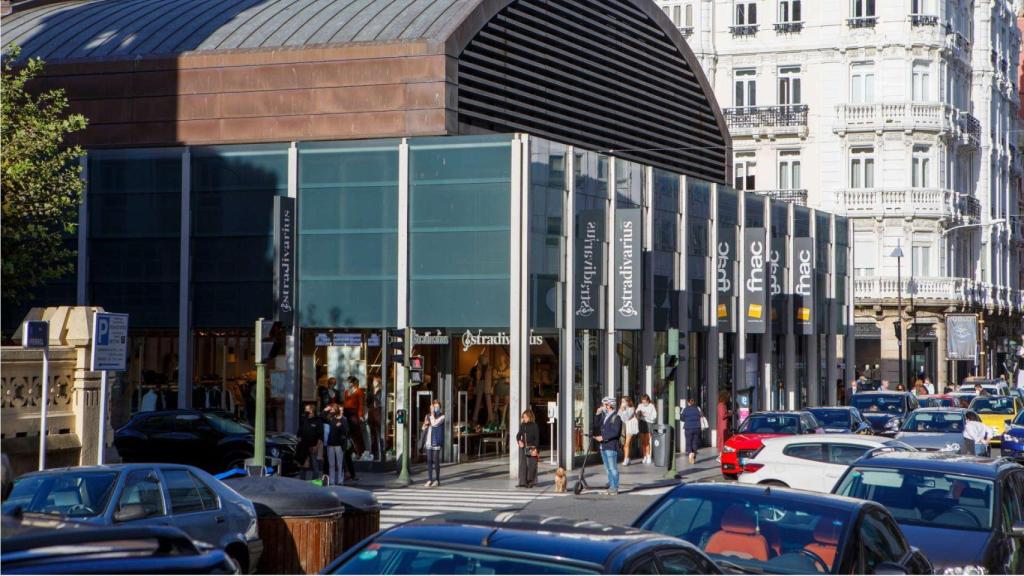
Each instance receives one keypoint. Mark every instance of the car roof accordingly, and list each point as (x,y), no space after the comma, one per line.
(804,438)
(883,393)
(576,540)
(947,462)
(763,412)
(930,396)
(954,410)
(844,408)
(118,468)
(702,488)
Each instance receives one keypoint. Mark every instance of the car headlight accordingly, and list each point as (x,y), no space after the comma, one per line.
(253,531)
(892,424)
(951,447)
(728,449)
(966,570)
(275,452)
(1013,439)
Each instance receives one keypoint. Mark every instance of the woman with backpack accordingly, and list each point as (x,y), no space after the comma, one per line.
(433,429)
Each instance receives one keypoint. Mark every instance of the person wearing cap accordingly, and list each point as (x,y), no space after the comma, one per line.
(608,428)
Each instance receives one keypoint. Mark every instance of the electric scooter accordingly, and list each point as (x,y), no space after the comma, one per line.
(581,481)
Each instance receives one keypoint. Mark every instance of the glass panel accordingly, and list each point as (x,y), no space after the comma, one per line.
(547,189)
(348,230)
(460,231)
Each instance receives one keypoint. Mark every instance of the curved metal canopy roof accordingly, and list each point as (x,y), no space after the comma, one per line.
(136,28)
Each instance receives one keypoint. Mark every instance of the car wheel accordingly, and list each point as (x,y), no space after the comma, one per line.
(240,555)
(730,476)
(773,483)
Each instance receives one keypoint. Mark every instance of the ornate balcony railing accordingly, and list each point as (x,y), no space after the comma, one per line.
(960,41)
(798,197)
(934,116)
(970,207)
(862,22)
(743,29)
(921,202)
(940,290)
(749,120)
(788,27)
(970,129)
(686,31)
(924,20)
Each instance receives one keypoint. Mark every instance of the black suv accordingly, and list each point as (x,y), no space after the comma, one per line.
(205,440)
(884,410)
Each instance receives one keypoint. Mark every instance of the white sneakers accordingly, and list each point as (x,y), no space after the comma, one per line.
(647,460)
(625,462)
(431,484)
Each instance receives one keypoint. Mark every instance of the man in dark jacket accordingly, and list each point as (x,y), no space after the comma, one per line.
(610,429)
(691,426)
(310,434)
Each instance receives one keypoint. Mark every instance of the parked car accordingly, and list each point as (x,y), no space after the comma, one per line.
(937,401)
(991,386)
(512,543)
(995,411)
(138,495)
(812,463)
(1013,438)
(841,419)
(963,399)
(53,546)
(207,440)
(757,529)
(966,513)
(885,411)
(935,429)
(758,426)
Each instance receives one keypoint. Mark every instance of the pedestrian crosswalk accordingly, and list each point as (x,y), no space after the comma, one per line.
(404,504)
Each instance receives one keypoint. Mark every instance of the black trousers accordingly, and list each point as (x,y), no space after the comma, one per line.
(527,468)
(433,465)
(692,440)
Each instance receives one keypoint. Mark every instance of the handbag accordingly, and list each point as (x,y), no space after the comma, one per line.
(533,452)
(703,421)
(423,441)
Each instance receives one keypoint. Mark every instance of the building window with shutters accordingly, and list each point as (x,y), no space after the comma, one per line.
(921,79)
(862,83)
(921,260)
(920,167)
(862,167)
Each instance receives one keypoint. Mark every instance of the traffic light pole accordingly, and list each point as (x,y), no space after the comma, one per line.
(259,450)
(404,478)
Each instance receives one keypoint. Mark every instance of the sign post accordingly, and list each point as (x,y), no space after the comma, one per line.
(36,334)
(109,352)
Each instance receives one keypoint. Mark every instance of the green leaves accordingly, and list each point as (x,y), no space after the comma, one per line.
(40,182)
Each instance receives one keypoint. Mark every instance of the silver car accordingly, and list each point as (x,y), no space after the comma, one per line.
(145,494)
(935,429)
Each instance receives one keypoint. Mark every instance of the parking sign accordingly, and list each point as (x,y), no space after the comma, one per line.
(109,341)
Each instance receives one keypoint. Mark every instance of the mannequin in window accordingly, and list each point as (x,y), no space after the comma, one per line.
(501,384)
(484,387)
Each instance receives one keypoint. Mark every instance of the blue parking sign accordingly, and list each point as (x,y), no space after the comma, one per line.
(109,341)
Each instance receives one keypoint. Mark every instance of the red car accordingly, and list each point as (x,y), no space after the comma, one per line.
(746,443)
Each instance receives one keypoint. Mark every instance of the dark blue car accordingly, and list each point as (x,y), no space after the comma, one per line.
(966,513)
(513,543)
(1013,439)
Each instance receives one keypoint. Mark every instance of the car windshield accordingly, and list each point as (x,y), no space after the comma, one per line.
(936,422)
(830,418)
(875,403)
(762,533)
(227,426)
(992,405)
(937,402)
(924,498)
(771,424)
(394,558)
(1019,420)
(71,494)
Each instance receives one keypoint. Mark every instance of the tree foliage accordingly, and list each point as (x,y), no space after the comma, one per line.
(40,181)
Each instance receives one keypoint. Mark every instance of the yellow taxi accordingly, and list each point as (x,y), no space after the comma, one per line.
(995,411)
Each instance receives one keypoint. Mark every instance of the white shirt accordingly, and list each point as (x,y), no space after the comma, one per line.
(648,412)
(977,431)
(930,387)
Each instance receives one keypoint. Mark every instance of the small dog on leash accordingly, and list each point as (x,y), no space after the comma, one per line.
(560,479)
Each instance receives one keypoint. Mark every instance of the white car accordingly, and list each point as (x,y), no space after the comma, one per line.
(813,462)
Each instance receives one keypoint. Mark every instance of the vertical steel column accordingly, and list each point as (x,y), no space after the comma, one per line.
(519,338)
(832,336)
(739,364)
(402,300)
(764,349)
(293,343)
(812,341)
(647,288)
(567,361)
(184,285)
(612,365)
(849,341)
(790,326)
(713,349)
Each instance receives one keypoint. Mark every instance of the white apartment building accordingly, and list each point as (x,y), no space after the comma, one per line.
(903,115)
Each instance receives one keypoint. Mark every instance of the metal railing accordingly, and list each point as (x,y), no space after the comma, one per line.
(970,207)
(788,27)
(798,197)
(924,20)
(970,128)
(766,116)
(686,31)
(743,29)
(862,22)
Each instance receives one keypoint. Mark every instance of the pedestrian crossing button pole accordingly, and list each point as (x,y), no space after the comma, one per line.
(36,334)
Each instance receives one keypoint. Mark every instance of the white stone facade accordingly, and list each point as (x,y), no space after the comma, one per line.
(900,114)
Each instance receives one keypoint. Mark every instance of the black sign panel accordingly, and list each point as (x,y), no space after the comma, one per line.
(755,283)
(725,279)
(284,260)
(803,285)
(628,269)
(589,269)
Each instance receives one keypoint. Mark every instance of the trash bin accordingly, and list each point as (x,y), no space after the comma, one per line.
(660,444)
(361,517)
(301,525)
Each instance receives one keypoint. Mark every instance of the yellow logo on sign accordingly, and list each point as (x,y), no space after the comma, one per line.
(723,311)
(754,311)
(803,314)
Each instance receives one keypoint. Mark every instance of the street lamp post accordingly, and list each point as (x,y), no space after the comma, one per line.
(898,255)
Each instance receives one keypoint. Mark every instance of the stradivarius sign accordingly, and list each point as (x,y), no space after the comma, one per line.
(589,268)
(628,273)
(755,285)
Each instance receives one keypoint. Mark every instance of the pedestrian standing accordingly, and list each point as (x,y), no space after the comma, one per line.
(724,418)
(337,437)
(528,438)
(375,402)
(928,386)
(310,433)
(978,433)
(609,429)
(433,427)
(647,417)
(354,401)
(691,428)
(630,426)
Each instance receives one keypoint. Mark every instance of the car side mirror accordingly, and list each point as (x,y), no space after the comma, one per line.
(129,512)
(890,568)
(1017,531)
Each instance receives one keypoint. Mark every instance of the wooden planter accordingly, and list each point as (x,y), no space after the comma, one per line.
(300,545)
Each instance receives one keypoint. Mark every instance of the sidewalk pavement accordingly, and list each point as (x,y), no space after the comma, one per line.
(492,474)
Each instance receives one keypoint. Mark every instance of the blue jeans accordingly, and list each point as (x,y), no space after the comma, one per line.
(980,449)
(611,467)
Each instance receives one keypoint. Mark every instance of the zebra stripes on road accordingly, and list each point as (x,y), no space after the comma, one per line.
(404,504)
